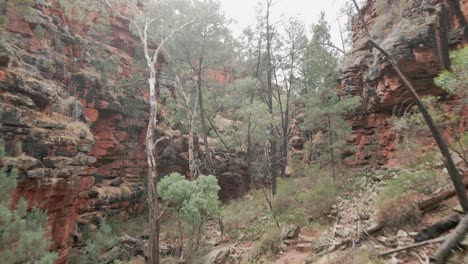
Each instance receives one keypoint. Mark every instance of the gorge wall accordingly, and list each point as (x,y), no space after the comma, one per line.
(419,35)
(64,119)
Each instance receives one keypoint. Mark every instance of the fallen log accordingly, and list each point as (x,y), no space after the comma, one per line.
(415,245)
(437,229)
(431,202)
(423,206)
(452,241)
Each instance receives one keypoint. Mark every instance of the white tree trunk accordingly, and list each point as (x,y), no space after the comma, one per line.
(191,146)
(153,203)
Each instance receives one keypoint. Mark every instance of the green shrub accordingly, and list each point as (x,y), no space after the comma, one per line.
(420,181)
(107,67)
(39,32)
(455,81)
(239,214)
(298,199)
(397,202)
(96,244)
(24,237)
(132,226)
(193,202)
(312,190)
(3,21)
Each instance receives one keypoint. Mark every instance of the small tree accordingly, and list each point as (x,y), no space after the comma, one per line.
(23,236)
(143,22)
(98,243)
(192,201)
(455,82)
(203,48)
(324,109)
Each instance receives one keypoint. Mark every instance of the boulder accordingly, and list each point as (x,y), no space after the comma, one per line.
(290,232)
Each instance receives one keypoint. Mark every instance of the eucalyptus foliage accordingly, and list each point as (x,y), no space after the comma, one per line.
(325,110)
(193,201)
(455,80)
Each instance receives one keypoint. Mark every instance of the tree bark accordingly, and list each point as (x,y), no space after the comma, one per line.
(151,153)
(460,17)
(249,154)
(415,245)
(285,125)
(330,146)
(452,241)
(271,138)
(431,202)
(192,169)
(208,163)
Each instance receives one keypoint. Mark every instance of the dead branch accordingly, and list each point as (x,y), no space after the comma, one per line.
(270,205)
(218,135)
(371,230)
(333,46)
(451,242)
(431,202)
(437,229)
(415,245)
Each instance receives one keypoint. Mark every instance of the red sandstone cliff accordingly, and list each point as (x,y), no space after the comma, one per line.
(420,41)
(80,156)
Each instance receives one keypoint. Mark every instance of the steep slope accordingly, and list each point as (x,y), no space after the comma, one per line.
(419,34)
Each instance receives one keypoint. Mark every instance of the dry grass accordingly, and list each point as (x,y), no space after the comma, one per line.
(114,193)
(397,202)
(397,213)
(350,256)
(76,130)
(80,130)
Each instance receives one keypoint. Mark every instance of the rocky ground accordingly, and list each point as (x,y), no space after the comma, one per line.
(351,220)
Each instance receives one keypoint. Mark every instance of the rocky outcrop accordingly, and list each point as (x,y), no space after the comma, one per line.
(66,123)
(419,35)
(63,128)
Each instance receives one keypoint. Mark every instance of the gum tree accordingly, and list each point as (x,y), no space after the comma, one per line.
(152,25)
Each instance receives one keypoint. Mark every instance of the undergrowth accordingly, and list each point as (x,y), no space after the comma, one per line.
(302,199)
(354,256)
(397,202)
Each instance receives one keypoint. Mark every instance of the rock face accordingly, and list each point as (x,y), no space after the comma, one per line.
(67,127)
(419,36)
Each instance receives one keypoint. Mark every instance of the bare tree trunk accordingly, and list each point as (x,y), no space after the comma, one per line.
(452,241)
(208,163)
(191,156)
(249,154)
(271,138)
(330,146)
(270,206)
(286,112)
(124,154)
(151,142)
(460,17)
(341,35)
(284,127)
(448,161)
(151,154)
